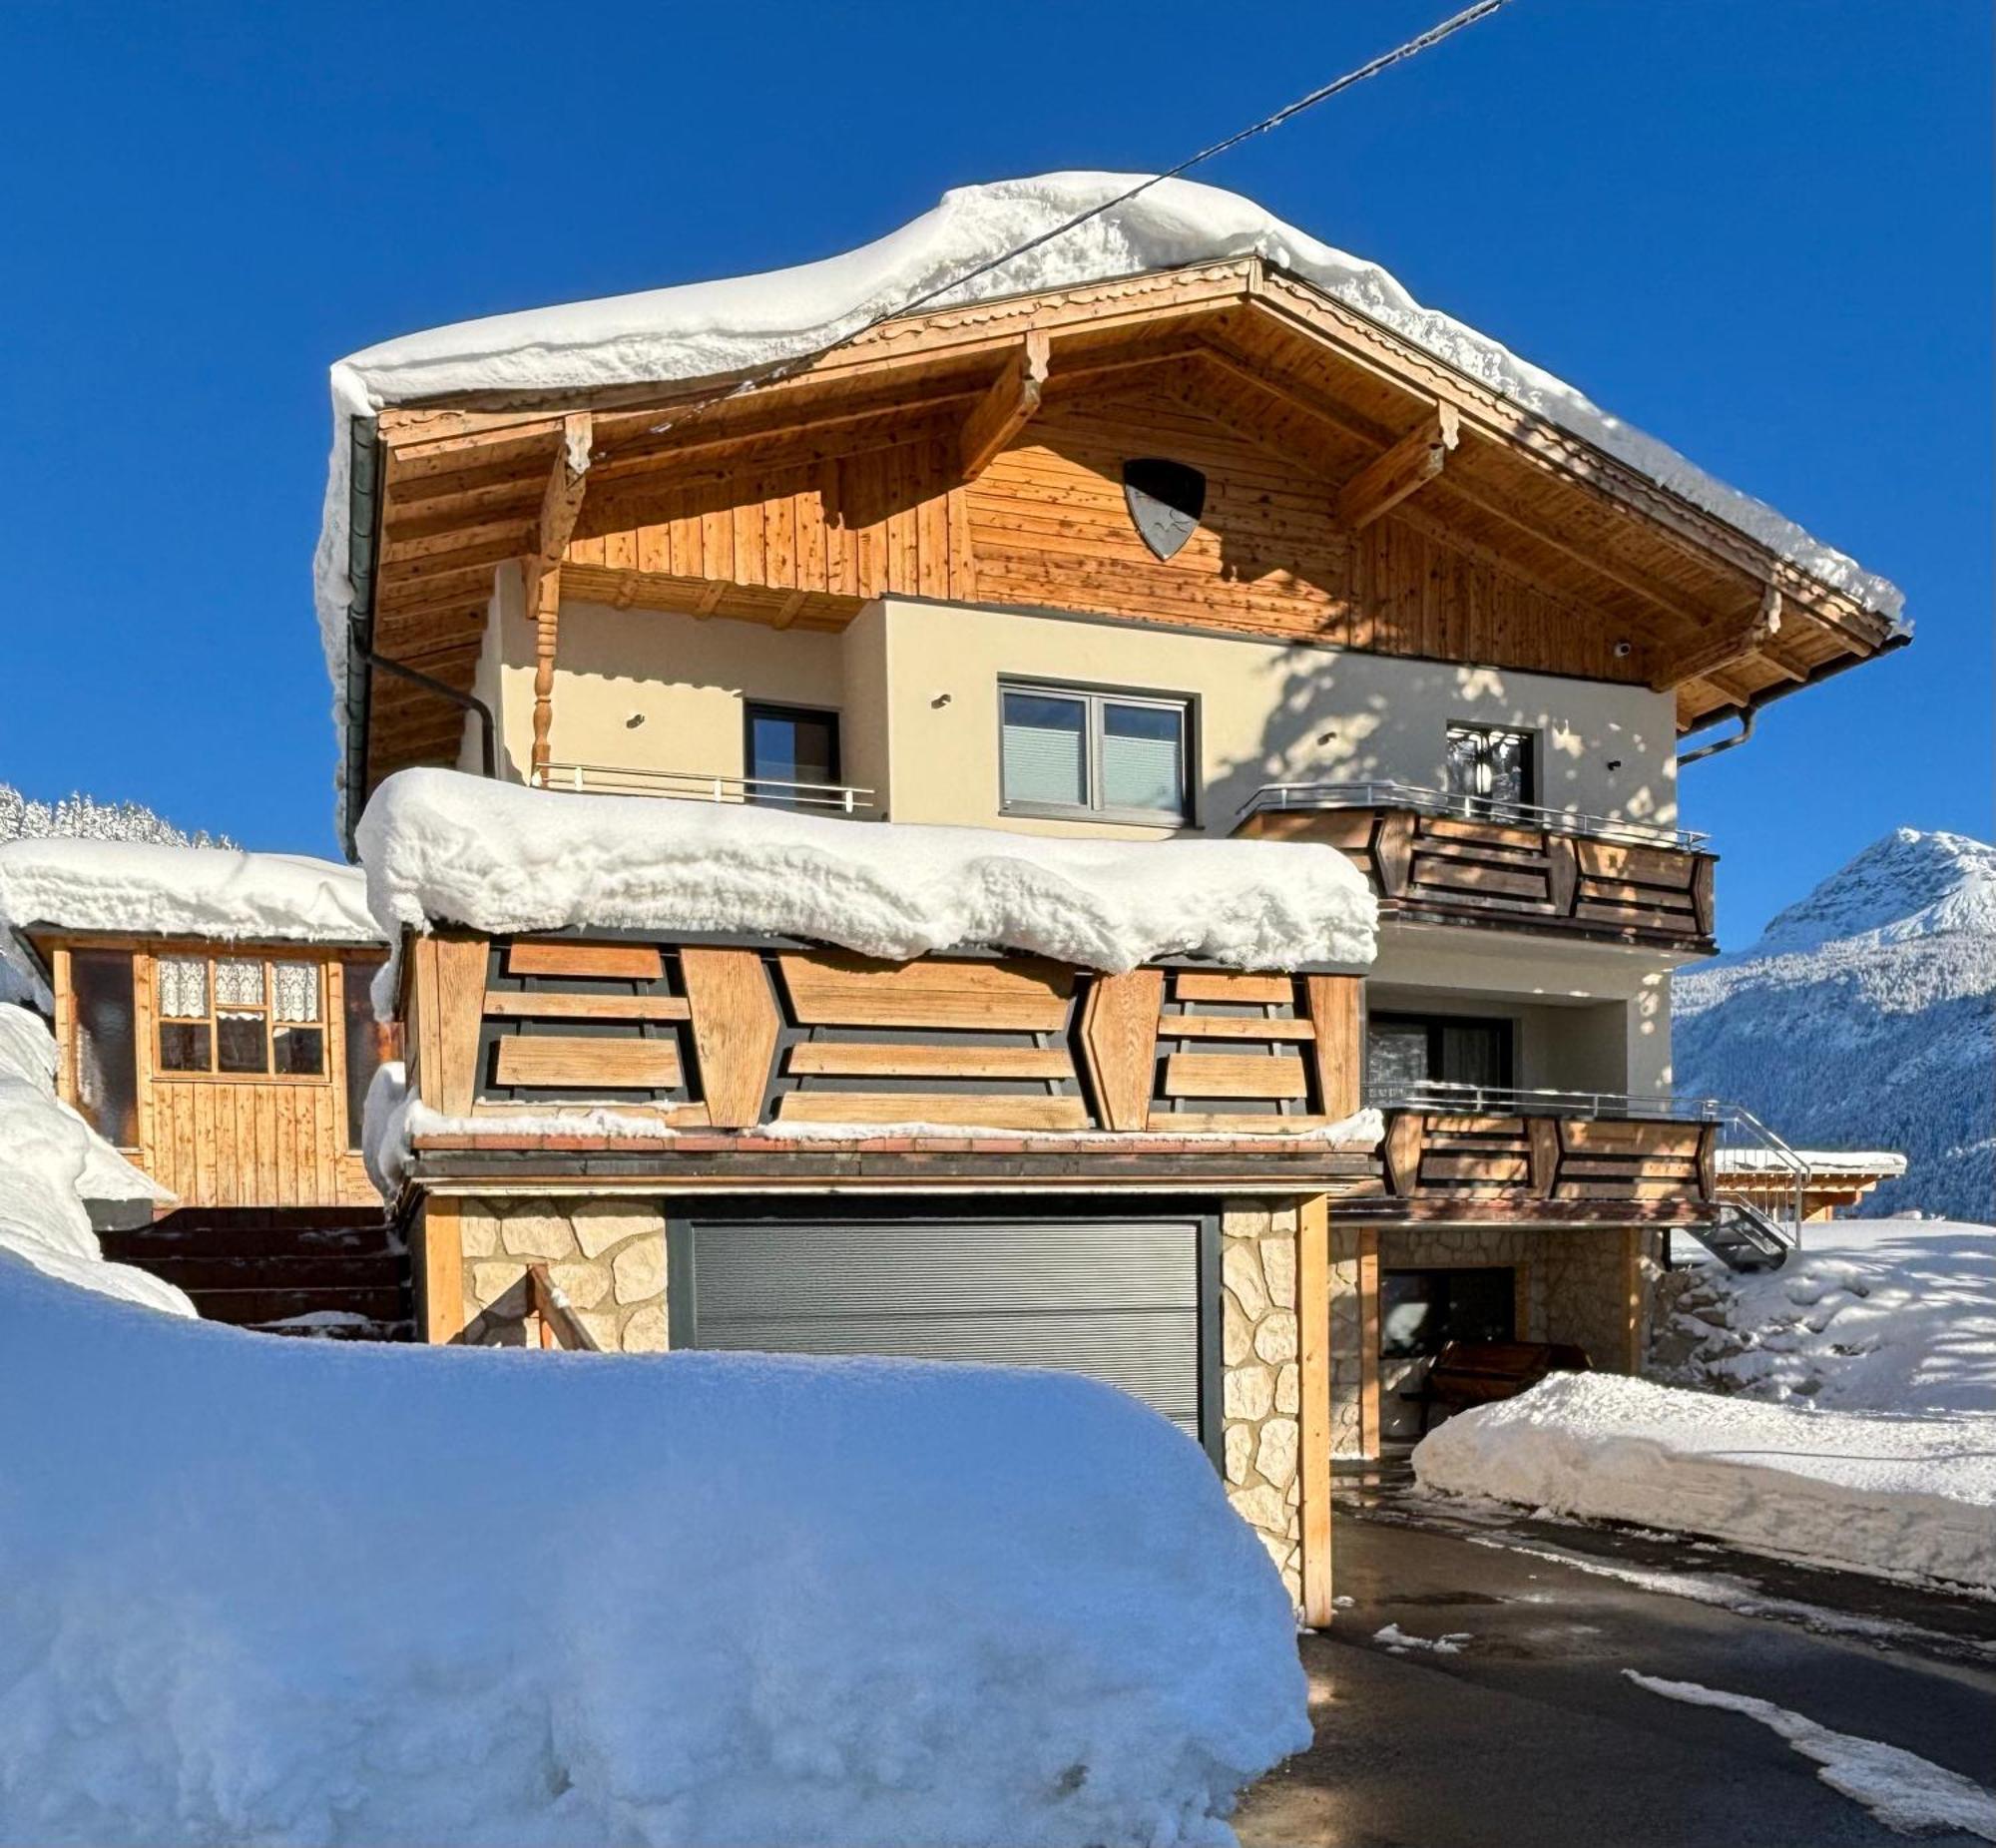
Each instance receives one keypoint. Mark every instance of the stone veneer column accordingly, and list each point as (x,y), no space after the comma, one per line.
(606,1257)
(1261,1387)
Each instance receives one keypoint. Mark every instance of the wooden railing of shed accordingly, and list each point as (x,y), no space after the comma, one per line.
(734,1036)
(1488,872)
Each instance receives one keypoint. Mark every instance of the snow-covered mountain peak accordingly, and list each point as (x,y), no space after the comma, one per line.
(1908,884)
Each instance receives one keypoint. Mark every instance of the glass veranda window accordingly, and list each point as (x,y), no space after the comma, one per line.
(240,1016)
(1101,756)
(1490,764)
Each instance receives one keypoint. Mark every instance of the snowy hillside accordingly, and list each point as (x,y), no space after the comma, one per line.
(83,817)
(1865,1017)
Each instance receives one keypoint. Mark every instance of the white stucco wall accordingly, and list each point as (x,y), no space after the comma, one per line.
(917,684)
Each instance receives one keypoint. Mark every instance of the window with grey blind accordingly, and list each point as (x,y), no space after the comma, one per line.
(1101,755)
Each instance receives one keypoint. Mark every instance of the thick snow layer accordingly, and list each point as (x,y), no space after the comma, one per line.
(440,847)
(1902,1497)
(1824,1161)
(1906,1792)
(712,330)
(130,885)
(51,1163)
(320,1591)
(1871,1315)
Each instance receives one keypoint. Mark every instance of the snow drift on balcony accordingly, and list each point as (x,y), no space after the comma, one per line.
(710,329)
(51,1163)
(307,1592)
(135,886)
(440,847)
(1906,1498)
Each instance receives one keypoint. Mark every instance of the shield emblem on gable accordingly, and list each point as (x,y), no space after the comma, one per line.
(1166,500)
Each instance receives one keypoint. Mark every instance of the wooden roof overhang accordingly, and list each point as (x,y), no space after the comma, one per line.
(1694,606)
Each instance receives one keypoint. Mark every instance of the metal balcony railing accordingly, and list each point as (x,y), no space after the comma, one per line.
(694,786)
(1509,1100)
(1448,803)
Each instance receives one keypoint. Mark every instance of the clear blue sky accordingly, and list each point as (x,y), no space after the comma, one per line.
(1762,231)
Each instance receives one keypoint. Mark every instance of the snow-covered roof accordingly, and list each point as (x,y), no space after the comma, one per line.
(707,329)
(140,888)
(440,847)
(1824,1161)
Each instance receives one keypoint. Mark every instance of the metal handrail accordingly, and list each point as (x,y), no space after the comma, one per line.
(1739,1123)
(1452,804)
(696,786)
(1510,1101)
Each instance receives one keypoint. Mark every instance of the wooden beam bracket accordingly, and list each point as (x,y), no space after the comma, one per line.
(561,506)
(1415,461)
(1007,407)
(1711,654)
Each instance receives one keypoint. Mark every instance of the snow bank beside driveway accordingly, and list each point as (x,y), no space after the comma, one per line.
(1902,1497)
(443,847)
(1871,1315)
(299,1592)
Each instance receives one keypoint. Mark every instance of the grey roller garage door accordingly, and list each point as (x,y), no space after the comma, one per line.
(1118,1298)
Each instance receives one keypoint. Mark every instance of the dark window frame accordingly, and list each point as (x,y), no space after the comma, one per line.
(1094,697)
(264,1013)
(1528,758)
(827,715)
(1448,1273)
(1437,1024)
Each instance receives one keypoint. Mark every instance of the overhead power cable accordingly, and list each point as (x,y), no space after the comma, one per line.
(1434,35)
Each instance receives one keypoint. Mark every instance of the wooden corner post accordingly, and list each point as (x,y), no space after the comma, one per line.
(561,504)
(439,1268)
(1313,1387)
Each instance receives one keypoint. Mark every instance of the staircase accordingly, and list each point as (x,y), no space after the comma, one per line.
(1742,1238)
(335,1272)
(1741,1235)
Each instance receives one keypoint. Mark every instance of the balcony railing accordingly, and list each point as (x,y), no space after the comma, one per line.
(1449,802)
(1482,1138)
(695,787)
(1431,855)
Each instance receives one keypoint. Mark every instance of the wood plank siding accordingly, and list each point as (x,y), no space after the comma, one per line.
(222,1138)
(704,1038)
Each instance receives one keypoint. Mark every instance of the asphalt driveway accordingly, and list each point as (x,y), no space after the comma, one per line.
(1529,1732)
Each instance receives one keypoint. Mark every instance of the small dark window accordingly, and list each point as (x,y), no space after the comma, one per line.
(106,1064)
(1420,1311)
(1403,1049)
(792,755)
(1491,766)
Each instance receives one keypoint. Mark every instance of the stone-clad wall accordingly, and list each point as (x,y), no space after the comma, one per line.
(1260,1386)
(606,1257)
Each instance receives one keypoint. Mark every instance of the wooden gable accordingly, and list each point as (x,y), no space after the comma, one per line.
(1359,494)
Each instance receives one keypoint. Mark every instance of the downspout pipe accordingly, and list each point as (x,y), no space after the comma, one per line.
(1751,710)
(363,527)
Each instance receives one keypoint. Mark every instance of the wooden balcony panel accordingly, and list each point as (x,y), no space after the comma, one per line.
(734,1037)
(1439,1156)
(1500,875)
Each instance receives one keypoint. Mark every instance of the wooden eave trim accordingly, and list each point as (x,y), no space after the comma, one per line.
(1547,445)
